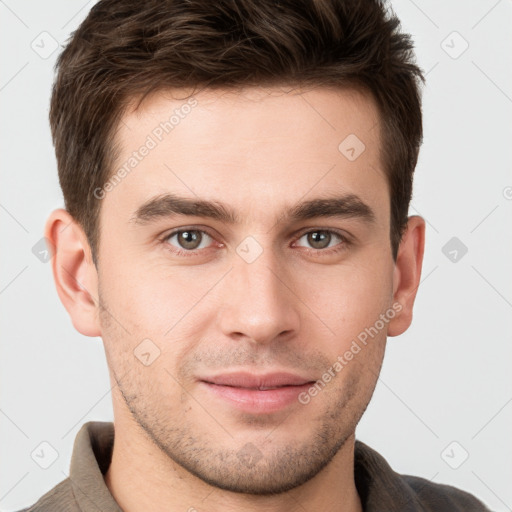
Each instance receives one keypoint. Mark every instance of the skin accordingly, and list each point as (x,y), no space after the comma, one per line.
(296,308)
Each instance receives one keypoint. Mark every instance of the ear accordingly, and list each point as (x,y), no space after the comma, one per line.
(407,273)
(74,272)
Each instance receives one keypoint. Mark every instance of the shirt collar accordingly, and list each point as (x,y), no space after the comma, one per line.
(92,453)
(378,486)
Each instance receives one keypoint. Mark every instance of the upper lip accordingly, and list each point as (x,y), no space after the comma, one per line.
(255,381)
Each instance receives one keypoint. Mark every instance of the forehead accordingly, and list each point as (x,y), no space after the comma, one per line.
(250,147)
(269,111)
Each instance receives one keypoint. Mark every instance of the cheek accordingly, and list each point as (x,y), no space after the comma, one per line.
(348,298)
(151,298)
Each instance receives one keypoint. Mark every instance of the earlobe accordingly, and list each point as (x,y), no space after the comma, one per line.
(407,274)
(74,272)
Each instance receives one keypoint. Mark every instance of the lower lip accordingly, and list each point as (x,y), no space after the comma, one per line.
(258,401)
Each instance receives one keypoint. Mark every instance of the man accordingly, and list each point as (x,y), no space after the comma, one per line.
(237,178)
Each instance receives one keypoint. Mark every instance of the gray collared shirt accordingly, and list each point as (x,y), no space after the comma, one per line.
(379,487)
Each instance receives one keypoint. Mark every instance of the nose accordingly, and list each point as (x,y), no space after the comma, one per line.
(258,303)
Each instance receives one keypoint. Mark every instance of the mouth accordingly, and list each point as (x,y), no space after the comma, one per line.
(257,394)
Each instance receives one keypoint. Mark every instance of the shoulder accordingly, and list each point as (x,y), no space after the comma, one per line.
(58,499)
(381,488)
(437,497)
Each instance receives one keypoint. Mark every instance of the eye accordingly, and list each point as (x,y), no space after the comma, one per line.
(321,239)
(187,240)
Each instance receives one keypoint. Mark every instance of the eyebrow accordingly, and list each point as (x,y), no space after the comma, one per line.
(170,205)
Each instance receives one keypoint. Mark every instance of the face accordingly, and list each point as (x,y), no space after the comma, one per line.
(228,324)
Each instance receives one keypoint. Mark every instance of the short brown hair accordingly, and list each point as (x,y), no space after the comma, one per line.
(130,48)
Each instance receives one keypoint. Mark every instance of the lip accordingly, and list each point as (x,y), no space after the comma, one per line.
(257,393)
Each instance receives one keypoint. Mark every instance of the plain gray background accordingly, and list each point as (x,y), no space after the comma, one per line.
(443,405)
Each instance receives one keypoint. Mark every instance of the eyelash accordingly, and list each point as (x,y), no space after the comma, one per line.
(345,242)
